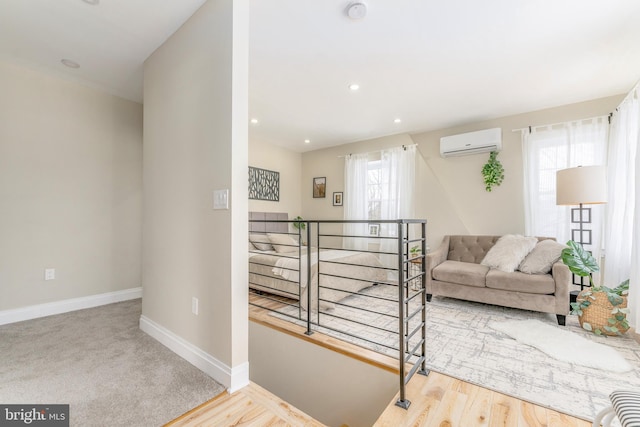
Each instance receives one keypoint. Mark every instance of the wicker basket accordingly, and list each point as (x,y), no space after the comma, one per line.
(599,312)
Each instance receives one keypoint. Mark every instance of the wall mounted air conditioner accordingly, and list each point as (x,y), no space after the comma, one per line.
(481,141)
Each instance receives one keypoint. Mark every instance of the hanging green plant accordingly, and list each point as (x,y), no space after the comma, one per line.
(492,172)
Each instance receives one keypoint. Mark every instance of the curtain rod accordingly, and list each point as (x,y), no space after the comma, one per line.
(529,128)
(379,151)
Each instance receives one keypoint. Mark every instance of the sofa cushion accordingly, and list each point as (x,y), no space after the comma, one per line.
(508,252)
(463,273)
(521,282)
(470,248)
(542,257)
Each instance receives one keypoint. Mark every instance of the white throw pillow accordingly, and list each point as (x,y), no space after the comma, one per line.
(508,252)
(542,257)
(261,242)
(283,243)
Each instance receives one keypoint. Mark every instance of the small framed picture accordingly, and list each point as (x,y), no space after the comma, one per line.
(319,187)
(374,230)
(337,198)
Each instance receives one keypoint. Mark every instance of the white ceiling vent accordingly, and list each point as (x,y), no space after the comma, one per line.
(464,144)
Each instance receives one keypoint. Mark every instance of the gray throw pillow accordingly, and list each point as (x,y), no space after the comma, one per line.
(542,257)
(261,242)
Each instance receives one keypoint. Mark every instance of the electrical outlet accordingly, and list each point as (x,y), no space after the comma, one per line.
(49,274)
(194,305)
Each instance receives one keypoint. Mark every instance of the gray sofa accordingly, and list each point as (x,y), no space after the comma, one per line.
(454,270)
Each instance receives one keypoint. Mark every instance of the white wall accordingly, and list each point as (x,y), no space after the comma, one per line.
(195,142)
(70,189)
(331,387)
(288,164)
(450,192)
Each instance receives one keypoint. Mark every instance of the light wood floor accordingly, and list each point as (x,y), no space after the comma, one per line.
(250,406)
(439,400)
(436,400)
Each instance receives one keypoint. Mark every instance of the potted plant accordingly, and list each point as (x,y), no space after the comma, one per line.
(600,309)
(300,225)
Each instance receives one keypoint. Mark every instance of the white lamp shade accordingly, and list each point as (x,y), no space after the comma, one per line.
(584,184)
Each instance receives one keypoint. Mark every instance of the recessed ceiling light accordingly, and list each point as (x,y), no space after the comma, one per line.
(92,2)
(354,86)
(254,121)
(397,121)
(307,141)
(69,63)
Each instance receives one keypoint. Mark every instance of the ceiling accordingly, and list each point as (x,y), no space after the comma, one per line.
(431,64)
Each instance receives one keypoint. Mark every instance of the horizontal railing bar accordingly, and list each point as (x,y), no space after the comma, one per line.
(343,221)
(359,251)
(348,278)
(357,293)
(413,296)
(357,322)
(412,315)
(356,236)
(358,337)
(412,353)
(418,239)
(286,292)
(275,254)
(414,331)
(414,369)
(362,309)
(359,265)
(272,266)
(271,277)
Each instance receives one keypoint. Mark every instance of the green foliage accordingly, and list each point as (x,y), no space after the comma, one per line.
(415,250)
(492,172)
(299,224)
(580,262)
(618,322)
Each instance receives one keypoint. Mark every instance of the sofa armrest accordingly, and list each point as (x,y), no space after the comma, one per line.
(434,259)
(562,278)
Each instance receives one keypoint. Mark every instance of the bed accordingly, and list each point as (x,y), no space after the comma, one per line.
(278,265)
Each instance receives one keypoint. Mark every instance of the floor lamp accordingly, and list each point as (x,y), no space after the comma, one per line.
(584,185)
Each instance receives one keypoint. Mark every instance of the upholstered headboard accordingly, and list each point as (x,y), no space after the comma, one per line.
(268,227)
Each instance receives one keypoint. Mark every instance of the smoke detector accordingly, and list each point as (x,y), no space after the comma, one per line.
(357,10)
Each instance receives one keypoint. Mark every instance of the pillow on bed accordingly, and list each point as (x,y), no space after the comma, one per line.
(283,243)
(261,242)
(508,252)
(542,257)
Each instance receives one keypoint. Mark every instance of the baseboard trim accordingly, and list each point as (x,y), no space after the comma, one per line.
(68,305)
(232,378)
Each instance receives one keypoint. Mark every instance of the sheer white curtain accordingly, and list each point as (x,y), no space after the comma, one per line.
(398,169)
(622,228)
(547,149)
(355,199)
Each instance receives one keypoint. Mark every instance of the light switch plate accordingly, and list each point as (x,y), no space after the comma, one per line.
(221,199)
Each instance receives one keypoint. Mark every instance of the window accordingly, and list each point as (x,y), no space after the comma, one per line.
(547,149)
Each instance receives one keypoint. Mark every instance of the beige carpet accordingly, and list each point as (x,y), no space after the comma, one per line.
(461,344)
(100,362)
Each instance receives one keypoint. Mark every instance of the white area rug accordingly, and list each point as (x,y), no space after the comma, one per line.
(461,344)
(563,345)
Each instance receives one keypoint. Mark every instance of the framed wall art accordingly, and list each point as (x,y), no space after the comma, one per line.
(319,187)
(264,184)
(337,198)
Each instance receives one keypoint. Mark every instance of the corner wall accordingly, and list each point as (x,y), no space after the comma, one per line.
(70,190)
(195,142)
(450,192)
